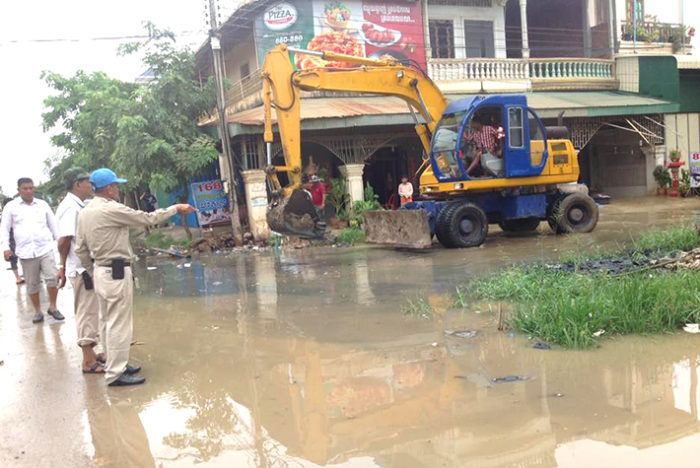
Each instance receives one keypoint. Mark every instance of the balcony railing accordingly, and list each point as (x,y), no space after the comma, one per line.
(556,73)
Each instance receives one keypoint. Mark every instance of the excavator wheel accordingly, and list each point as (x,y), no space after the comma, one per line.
(442,224)
(464,225)
(576,212)
(520,225)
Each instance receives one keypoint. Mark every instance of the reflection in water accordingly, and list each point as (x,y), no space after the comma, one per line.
(304,359)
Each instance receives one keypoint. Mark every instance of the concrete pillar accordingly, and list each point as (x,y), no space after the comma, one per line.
(523,28)
(256,201)
(353,178)
(586,25)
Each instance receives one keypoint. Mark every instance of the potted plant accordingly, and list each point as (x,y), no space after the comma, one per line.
(684,183)
(675,155)
(663,179)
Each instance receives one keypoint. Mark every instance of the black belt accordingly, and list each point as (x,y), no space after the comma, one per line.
(109,265)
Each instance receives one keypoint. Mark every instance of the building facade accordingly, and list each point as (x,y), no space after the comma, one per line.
(561,54)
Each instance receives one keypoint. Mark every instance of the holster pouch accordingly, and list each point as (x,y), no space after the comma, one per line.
(87,280)
(118,268)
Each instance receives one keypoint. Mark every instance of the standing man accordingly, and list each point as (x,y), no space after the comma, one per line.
(405,191)
(103,237)
(34,229)
(318,194)
(87,319)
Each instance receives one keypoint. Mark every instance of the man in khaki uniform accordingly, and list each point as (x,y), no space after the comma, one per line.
(103,238)
(90,328)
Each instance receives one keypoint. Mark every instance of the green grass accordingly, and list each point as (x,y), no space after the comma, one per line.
(417,307)
(569,309)
(683,237)
(159,240)
(352,235)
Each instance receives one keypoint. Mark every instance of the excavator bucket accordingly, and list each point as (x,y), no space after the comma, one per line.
(400,228)
(296,216)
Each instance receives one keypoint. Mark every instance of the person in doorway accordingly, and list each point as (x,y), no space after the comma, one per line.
(34,228)
(102,245)
(487,154)
(318,194)
(87,320)
(405,191)
(13,258)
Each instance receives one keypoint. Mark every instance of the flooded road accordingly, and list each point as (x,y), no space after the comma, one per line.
(305,359)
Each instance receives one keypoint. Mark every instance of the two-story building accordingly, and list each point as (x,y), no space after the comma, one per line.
(561,54)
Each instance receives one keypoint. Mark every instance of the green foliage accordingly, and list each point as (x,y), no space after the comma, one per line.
(667,240)
(417,307)
(662,176)
(684,184)
(146,133)
(371,202)
(339,198)
(351,235)
(572,308)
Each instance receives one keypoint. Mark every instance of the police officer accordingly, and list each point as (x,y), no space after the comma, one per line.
(102,242)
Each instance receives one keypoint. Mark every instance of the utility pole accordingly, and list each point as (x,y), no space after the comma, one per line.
(219,77)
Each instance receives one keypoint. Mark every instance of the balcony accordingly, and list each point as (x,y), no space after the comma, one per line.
(516,75)
(654,37)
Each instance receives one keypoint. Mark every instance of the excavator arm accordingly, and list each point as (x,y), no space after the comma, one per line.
(281,90)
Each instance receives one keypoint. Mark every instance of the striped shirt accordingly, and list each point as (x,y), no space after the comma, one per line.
(484,138)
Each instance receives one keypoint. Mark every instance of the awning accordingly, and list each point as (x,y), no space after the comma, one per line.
(368,111)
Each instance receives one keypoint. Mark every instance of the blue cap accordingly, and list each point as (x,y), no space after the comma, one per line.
(103,177)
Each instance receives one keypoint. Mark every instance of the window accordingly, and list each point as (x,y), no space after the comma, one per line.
(515,127)
(445,145)
(245,70)
(478,39)
(442,40)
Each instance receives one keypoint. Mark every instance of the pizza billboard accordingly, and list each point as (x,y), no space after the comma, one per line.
(362,28)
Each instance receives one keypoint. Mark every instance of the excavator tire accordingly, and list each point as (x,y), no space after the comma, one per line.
(520,225)
(576,212)
(466,225)
(296,216)
(442,224)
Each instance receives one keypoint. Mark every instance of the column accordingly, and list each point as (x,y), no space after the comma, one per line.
(256,201)
(585,23)
(523,29)
(353,178)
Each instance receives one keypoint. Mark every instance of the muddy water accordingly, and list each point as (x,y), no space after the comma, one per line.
(305,359)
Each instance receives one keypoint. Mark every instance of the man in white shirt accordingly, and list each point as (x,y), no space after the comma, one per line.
(87,320)
(35,231)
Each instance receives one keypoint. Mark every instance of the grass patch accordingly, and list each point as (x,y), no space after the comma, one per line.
(572,308)
(352,235)
(159,240)
(684,237)
(417,307)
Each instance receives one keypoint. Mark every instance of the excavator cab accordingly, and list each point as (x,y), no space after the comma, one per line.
(506,123)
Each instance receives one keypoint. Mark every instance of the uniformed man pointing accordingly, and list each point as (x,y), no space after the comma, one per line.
(102,242)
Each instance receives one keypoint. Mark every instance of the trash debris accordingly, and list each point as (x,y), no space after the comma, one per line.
(217,283)
(541,345)
(510,378)
(692,328)
(151,268)
(434,344)
(187,265)
(598,333)
(461,333)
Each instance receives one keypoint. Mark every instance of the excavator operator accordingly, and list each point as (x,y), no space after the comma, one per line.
(484,150)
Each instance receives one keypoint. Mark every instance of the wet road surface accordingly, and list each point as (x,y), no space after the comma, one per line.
(304,359)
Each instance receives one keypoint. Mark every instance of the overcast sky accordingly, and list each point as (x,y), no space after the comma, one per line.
(24,146)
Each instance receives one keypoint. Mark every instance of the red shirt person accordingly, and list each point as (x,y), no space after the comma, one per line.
(318,193)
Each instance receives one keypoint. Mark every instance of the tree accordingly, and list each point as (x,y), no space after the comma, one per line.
(146,132)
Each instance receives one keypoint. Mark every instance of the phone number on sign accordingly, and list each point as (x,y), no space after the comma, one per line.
(289,39)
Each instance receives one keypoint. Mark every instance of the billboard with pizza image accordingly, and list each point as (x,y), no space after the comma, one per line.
(361,28)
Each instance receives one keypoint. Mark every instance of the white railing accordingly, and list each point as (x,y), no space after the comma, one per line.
(477,69)
(540,71)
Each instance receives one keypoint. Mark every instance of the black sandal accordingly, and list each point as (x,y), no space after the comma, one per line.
(94,367)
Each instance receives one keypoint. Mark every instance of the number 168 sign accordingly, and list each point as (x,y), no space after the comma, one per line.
(695,169)
(211,202)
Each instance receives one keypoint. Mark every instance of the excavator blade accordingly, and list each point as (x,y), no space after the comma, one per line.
(296,216)
(400,228)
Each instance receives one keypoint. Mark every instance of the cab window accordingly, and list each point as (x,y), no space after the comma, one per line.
(515,127)
(445,145)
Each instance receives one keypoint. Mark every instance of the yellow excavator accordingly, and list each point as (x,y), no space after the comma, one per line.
(487,159)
